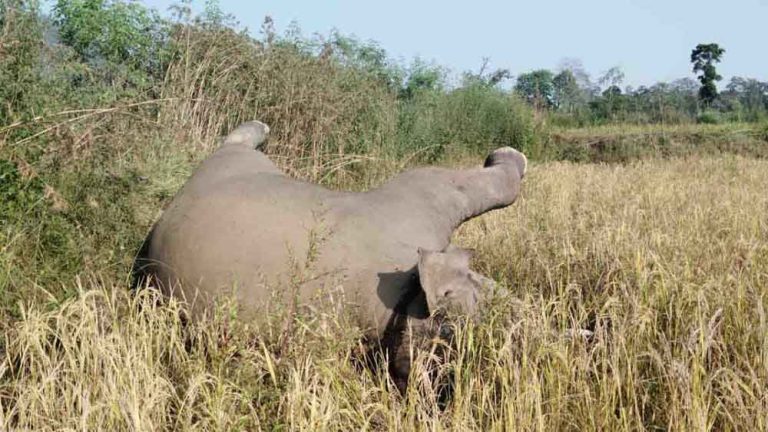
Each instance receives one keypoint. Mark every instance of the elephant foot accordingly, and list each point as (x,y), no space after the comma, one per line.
(253,134)
(506,155)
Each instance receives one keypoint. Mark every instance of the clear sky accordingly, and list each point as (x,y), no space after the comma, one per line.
(651,40)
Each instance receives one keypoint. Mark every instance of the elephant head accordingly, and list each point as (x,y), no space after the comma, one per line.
(448,283)
(451,290)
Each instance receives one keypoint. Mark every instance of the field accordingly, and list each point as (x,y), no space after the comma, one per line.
(665,260)
(643,219)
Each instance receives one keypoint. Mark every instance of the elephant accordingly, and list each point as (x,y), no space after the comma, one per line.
(240,225)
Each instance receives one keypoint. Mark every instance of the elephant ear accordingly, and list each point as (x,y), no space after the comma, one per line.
(447,280)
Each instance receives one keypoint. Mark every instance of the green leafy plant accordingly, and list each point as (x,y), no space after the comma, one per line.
(704,57)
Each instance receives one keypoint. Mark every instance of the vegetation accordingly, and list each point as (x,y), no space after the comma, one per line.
(106,107)
(570,98)
(665,260)
(625,143)
(704,57)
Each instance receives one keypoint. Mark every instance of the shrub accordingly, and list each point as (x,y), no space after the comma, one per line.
(472,119)
(709,117)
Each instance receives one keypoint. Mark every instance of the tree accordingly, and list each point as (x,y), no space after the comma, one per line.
(485,76)
(704,57)
(747,95)
(583,80)
(613,77)
(117,32)
(567,91)
(422,77)
(368,57)
(537,88)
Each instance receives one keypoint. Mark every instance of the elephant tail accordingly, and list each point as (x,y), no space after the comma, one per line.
(252,134)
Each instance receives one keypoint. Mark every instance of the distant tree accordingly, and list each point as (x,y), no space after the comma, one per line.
(613,77)
(583,80)
(611,105)
(123,33)
(704,57)
(214,17)
(485,76)
(685,85)
(566,91)
(498,76)
(365,56)
(537,88)
(747,96)
(684,96)
(421,77)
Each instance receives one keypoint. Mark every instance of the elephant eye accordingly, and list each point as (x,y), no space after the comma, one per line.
(447,293)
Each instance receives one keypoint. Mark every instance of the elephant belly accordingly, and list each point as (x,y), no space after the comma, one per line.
(255,242)
(221,245)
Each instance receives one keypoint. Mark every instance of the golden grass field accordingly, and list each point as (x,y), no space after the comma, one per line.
(665,260)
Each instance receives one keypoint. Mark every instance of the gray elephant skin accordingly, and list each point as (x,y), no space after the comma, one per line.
(240,227)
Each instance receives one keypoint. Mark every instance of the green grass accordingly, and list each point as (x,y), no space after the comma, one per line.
(623,143)
(666,260)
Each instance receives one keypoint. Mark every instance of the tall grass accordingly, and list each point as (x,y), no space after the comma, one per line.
(666,261)
(321,114)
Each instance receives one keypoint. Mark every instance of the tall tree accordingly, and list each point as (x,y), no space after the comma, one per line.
(537,88)
(567,91)
(613,77)
(583,80)
(704,57)
(117,32)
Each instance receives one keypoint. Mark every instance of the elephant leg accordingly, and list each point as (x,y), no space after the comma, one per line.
(448,197)
(242,150)
(252,134)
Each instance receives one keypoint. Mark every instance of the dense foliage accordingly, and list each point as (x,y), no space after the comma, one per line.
(572,98)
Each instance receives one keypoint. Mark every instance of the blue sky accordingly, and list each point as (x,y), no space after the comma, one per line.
(650,40)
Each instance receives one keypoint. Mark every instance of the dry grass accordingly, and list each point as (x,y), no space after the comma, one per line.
(323,117)
(667,261)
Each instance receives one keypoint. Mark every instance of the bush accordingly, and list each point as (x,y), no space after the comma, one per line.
(20,49)
(763,132)
(709,117)
(473,119)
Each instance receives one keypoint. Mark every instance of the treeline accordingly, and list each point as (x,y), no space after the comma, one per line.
(327,98)
(573,99)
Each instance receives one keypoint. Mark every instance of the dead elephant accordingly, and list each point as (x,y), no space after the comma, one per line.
(240,222)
